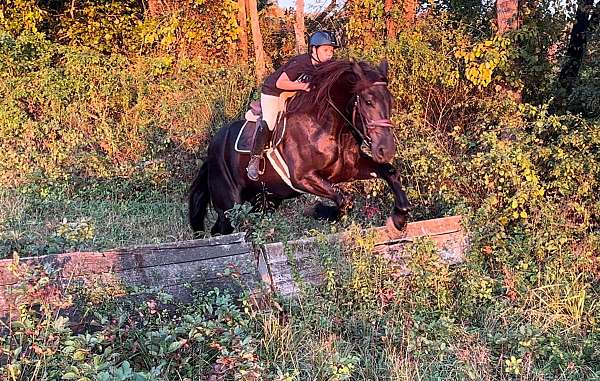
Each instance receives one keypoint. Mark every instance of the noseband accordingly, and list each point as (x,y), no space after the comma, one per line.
(368,124)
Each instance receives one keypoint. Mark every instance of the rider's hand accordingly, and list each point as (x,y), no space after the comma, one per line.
(304,87)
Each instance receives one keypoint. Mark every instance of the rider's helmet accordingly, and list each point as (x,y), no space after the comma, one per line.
(322,37)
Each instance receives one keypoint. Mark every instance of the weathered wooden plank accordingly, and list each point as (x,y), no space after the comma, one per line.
(201,273)
(170,266)
(86,263)
(452,247)
(200,262)
(181,292)
(286,270)
(204,242)
(430,228)
(178,273)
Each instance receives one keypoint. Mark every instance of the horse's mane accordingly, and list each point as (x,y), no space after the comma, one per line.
(328,76)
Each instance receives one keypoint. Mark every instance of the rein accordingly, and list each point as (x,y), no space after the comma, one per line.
(368,124)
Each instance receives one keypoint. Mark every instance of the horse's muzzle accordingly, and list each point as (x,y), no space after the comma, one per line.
(383,146)
(383,149)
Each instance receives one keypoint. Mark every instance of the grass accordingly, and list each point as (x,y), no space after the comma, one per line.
(29,222)
(120,216)
(434,327)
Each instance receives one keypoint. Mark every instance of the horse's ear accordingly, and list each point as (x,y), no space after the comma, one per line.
(358,71)
(383,68)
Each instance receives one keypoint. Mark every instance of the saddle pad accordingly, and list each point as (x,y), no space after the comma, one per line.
(243,142)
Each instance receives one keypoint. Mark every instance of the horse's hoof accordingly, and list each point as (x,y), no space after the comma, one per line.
(398,221)
(322,212)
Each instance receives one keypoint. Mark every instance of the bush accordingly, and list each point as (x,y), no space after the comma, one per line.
(89,116)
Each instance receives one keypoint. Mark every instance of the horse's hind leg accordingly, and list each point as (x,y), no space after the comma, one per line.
(322,211)
(222,225)
(222,202)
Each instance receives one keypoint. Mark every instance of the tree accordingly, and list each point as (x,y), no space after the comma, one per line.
(242,21)
(507,15)
(259,52)
(390,27)
(409,11)
(508,18)
(299,27)
(153,8)
(577,43)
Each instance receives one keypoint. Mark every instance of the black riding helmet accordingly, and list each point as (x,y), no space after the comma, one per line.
(322,37)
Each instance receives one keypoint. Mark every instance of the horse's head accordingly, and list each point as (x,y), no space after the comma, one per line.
(372,111)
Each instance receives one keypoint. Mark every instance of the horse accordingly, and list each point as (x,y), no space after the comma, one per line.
(338,131)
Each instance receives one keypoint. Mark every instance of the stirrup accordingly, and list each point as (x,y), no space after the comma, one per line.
(259,172)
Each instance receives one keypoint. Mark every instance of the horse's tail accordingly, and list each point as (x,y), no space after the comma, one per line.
(199,197)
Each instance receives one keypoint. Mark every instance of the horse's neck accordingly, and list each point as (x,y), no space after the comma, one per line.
(341,99)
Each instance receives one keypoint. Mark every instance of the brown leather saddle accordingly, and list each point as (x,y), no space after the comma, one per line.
(243,143)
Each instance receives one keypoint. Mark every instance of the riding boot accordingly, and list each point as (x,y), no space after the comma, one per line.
(260,141)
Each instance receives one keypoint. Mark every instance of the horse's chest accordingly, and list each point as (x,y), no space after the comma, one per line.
(344,166)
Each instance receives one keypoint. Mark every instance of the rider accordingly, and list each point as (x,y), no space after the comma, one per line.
(321,45)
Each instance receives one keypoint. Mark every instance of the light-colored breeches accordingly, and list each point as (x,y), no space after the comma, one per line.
(271,106)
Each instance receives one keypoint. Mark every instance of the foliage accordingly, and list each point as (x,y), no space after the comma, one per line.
(109,143)
(92,116)
(17,16)
(366,25)
(140,341)
(108,26)
(205,28)
(487,56)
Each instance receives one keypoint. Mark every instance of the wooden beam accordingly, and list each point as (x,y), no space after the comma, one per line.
(202,263)
(285,267)
(168,266)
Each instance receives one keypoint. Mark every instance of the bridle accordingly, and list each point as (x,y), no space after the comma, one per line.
(365,122)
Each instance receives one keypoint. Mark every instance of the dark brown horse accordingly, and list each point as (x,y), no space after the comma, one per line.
(349,106)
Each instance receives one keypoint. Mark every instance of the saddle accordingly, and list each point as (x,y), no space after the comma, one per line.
(243,143)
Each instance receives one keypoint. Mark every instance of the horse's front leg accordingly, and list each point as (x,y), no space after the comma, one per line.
(369,169)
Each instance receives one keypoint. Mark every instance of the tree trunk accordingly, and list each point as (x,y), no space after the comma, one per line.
(259,53)
(390,25)
(507,15)
(153,8)
(507,18)
(242,21)
(577,42)
(410,11)
(299,27)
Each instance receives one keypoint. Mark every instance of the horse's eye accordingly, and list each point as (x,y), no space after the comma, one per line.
(369,103)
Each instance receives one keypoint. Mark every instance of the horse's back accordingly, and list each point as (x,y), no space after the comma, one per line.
(226,133)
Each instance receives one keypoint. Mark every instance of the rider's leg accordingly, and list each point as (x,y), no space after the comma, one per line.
(270,108)
(258,145)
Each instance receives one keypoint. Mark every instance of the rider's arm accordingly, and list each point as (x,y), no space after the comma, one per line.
(284,83)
